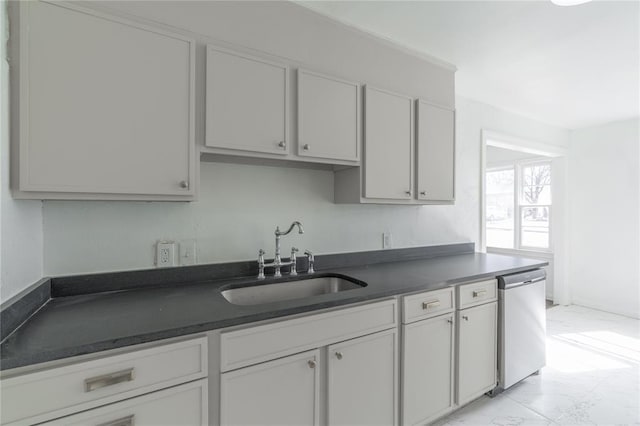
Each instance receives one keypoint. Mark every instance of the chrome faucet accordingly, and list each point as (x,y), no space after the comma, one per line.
(277,261)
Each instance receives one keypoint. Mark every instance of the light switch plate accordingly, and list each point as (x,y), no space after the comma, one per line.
(187,252)
(386,240)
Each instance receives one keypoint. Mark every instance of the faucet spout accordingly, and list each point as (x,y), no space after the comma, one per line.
(293,225)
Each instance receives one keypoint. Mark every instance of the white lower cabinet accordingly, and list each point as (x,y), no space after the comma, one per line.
(184,405)
(362,381)
(449,348)
(427,369)
(332,368)
(280,392)
(150,385)
(477,351)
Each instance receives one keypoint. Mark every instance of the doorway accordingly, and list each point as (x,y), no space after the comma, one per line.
(523,204)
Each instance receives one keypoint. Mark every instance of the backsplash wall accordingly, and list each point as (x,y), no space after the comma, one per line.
(238,210)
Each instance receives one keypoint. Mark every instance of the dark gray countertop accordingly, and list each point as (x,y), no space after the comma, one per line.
(87,323)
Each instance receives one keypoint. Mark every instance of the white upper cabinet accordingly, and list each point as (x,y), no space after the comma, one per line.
(328,117)
(103,108)
(434,152)
(388,153)
(246,103)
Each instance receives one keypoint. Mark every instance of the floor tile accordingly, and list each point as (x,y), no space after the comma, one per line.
(494,411)
(592,376)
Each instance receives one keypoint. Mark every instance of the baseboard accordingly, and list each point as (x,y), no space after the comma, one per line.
(605,308)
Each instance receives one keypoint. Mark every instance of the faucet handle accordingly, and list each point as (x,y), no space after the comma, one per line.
(261,264)
(293,270)
(311,259)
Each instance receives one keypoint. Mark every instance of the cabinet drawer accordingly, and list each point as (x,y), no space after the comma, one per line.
(181,405)
(240,348)
(426,305)
(58,392)
(477,293)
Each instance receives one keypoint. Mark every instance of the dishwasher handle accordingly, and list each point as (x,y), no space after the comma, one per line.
(522,278)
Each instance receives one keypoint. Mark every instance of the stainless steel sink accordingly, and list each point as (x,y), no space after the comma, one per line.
(277,292)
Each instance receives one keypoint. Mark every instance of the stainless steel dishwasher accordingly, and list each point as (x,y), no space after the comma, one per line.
(521,327)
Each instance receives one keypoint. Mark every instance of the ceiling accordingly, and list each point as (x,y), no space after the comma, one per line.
(571,67)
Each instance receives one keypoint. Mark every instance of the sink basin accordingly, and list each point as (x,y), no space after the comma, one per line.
(288,290)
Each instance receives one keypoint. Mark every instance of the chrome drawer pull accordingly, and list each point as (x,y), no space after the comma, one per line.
(125,421)
(479,293)
(108,380)
(431,304)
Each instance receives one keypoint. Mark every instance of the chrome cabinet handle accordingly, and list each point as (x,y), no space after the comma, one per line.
(124,421)
(312,363)
(282,144)
(479,293)
(110,379)
(184,184)
(450,321)
(431,304)
(306,147)
(423,192)
(339,355)
(407,192)
(466,318)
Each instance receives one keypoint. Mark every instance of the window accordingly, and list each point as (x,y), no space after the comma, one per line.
(518,206)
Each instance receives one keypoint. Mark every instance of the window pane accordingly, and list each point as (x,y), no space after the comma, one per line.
(535,227)
(536,184)
(499,212)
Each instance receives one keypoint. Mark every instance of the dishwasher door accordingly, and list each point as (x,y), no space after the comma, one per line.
(522,323)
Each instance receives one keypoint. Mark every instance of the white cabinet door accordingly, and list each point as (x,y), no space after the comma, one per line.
(105,107)
(280,392)
(388,146)
(427,369)
(247,102)
(328,117)
(477,351)
(435,152)
(362,381)
(181,405)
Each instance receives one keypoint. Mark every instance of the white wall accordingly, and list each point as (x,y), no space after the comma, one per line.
(238,210)
(21,235)
(498,156)
(240,205)
(604,217)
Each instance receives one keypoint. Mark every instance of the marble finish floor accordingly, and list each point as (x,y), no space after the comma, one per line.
(592,377)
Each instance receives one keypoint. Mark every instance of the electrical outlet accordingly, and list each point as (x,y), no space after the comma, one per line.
(386,240)
(187,252)
(165,254)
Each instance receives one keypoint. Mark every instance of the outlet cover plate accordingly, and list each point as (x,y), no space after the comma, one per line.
(165,254)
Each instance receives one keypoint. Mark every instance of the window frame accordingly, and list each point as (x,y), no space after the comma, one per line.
(518,206)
